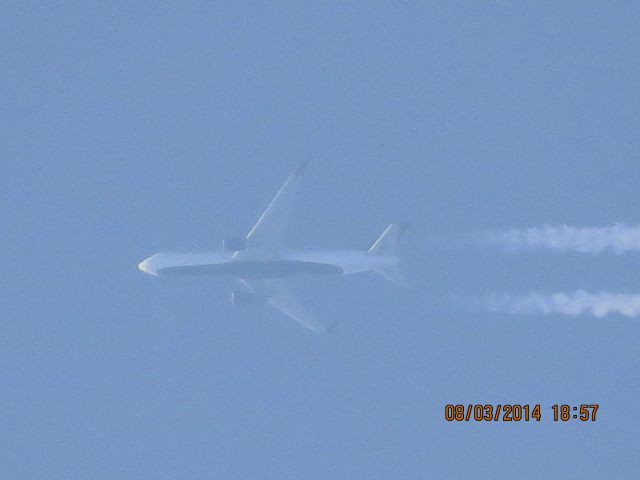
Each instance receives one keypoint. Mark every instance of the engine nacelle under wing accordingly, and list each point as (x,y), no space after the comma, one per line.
(246,298)
(233,244)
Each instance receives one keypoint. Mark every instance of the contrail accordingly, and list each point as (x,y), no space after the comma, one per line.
(618,238)
(581,302)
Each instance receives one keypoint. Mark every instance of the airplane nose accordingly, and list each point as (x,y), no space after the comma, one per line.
(145,266)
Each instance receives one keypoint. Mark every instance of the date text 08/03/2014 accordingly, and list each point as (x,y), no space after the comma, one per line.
(517,412)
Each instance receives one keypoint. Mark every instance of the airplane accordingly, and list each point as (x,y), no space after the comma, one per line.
(262,265)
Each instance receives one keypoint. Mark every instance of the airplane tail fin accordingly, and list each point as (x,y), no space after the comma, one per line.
(387,245)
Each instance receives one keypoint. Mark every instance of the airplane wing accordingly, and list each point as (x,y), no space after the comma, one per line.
(278,295)
(267,232)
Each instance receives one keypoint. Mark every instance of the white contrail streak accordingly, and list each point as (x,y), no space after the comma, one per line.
(618,238)
(580,302)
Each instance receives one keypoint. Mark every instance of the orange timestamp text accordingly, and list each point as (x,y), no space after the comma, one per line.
(516,412)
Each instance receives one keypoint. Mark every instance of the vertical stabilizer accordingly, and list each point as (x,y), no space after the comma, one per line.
(387,243)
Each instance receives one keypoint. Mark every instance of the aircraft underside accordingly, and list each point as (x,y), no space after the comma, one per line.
(261,264)
(248,269)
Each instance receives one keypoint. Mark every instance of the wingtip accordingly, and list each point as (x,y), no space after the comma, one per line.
(302,168)
(404,226)
(323,329)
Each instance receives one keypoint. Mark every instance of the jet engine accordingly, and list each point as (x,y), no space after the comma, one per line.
(246,298)
(233,244)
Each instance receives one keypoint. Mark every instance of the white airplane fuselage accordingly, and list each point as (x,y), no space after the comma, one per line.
(280,264)
(261,265)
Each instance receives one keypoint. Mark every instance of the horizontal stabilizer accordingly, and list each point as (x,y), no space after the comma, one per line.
(393,274)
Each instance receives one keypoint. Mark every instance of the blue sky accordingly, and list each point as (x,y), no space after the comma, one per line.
(165,126)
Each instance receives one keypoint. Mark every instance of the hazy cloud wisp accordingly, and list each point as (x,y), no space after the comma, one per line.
(581,302)
(618,238)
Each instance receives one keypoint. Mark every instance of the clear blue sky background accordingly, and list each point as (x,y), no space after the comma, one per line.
(128,130)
